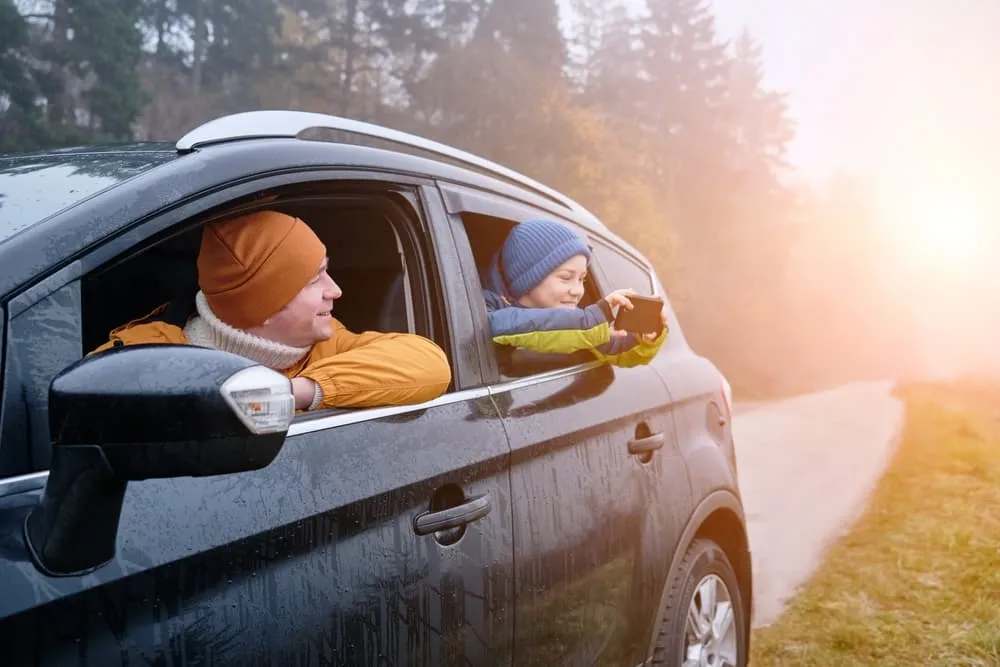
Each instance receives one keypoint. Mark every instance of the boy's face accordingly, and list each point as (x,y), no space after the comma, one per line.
(563,288)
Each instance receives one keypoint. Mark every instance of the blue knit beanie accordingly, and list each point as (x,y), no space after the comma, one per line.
(533,250)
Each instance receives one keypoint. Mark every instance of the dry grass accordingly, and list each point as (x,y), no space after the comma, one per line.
(917,581)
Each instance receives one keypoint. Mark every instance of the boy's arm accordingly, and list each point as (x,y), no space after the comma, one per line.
(552,330)
(631,350)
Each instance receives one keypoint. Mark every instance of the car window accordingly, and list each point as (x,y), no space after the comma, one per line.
(485,235)
(375,256)
(622,271)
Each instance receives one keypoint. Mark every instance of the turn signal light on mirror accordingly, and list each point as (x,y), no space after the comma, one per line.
(261,398)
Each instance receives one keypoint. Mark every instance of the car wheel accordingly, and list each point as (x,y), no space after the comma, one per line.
(703,620)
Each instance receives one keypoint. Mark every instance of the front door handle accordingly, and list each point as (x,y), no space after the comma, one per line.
(646,445)
(453,517)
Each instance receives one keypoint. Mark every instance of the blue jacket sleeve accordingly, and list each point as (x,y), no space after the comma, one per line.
(548,330)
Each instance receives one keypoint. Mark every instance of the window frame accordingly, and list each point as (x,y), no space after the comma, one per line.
(461,199)
(143,233)
(598,243)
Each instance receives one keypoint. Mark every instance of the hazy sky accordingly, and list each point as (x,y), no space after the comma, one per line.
(904,91)
(880,84)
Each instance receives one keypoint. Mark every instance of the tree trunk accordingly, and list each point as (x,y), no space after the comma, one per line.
(200,38)
(58,108)
(350,56)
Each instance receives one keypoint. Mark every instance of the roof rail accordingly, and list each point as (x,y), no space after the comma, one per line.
(293,124)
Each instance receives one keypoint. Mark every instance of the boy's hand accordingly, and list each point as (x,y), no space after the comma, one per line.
(650,337)
(620,298)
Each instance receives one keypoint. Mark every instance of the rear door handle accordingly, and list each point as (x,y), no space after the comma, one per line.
(453,517)
(645,445)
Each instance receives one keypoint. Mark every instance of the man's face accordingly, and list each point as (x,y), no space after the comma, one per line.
(563,288)
(306,319)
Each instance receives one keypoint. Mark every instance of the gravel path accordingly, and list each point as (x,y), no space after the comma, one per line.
(807,468)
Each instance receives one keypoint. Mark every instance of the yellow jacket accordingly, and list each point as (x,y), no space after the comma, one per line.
(353,370)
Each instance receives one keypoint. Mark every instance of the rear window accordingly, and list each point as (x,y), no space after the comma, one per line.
(33,188)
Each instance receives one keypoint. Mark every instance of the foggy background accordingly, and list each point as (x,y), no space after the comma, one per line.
(814,180)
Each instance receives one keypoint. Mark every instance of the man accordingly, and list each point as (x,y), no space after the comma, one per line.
(265,294)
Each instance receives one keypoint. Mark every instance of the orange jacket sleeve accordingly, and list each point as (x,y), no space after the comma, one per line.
(373,368)
(148,332)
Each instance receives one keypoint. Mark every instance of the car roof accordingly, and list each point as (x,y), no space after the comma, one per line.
(90,170)
(324,127)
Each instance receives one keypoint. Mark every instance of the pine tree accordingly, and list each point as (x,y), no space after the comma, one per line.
(760,124)
(500,94)
(20,120)
(529,30)
(685,109)
(106,43)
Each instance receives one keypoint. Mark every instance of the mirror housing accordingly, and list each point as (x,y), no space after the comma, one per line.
(144,412)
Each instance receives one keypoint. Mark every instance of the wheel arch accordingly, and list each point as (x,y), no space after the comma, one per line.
(720,518)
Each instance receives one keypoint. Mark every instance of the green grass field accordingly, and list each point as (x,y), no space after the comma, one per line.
(917,580)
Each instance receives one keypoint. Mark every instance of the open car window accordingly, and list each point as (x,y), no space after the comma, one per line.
(486,235)
(376,254)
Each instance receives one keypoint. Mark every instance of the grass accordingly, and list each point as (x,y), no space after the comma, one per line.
(917,580)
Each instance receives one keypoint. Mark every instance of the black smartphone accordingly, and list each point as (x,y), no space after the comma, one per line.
(644,317)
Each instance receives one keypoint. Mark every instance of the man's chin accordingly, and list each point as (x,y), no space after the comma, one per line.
(323,329)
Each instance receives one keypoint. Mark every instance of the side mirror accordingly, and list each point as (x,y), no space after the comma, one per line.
(143,412)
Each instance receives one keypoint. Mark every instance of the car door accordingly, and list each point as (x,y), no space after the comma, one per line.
(328,556)
(585,444)
(671,502)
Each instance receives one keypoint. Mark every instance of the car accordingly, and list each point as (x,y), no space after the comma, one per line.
(158,505)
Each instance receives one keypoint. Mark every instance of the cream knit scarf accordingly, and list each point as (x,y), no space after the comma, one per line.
(207,330)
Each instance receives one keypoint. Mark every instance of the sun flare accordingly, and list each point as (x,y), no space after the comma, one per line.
(948,228)
(941,230)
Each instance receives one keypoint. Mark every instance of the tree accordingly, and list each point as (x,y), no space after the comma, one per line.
(106,51)
(207,58)
(760,124)
(687,67)
(528,30)
(20,120)
(72,73)
(498,94)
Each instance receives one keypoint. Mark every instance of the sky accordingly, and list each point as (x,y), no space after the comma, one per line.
(901,92)
(904,94)
(879,85)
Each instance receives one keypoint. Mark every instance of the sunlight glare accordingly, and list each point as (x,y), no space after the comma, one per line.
(944,230)
(949,228)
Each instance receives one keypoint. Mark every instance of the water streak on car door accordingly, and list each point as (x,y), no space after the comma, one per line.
(314,560)
(580,499)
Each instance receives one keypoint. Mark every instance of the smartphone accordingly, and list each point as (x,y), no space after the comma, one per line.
(643,318)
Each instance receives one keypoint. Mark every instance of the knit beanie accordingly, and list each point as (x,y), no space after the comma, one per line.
(533,250)
(252,266)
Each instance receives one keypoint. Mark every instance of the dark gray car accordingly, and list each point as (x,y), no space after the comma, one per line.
(544,511)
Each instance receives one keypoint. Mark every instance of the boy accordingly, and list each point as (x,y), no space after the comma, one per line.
(533,288)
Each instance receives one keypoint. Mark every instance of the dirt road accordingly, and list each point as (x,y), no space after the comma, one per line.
(807,468)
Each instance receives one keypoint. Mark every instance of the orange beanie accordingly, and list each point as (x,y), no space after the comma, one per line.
(252,266)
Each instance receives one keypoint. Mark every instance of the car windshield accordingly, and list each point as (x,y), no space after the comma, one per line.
(34,187)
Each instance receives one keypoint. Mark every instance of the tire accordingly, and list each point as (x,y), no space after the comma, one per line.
(703,569)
